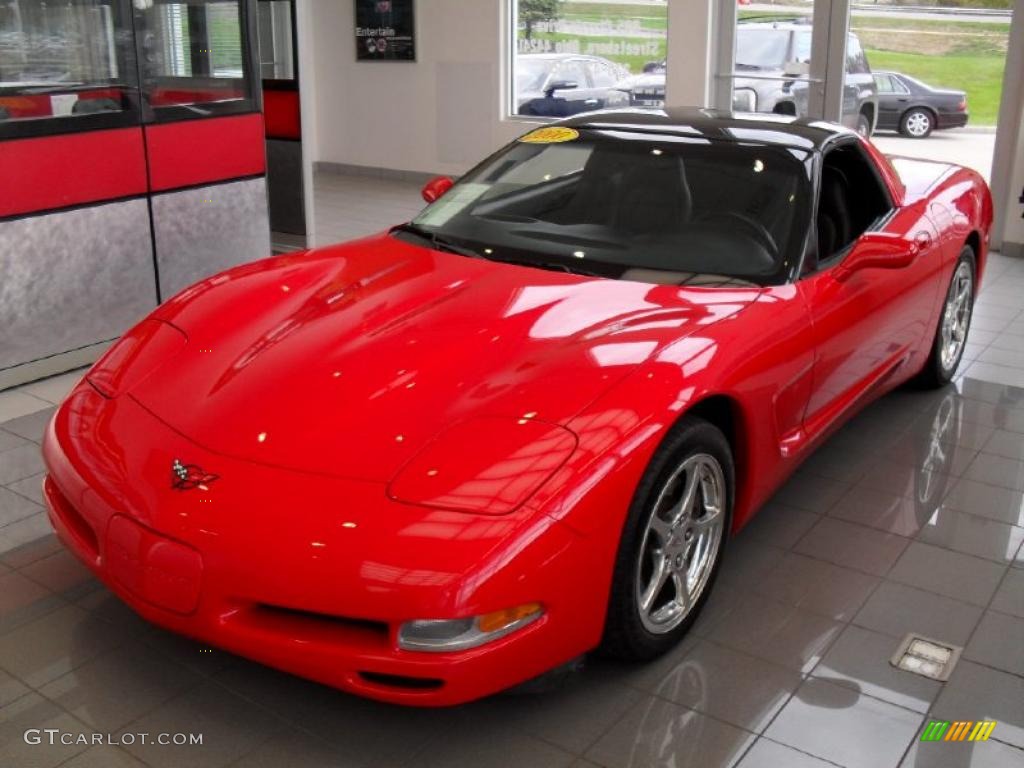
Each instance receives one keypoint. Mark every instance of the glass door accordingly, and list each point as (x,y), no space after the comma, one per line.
(798,59)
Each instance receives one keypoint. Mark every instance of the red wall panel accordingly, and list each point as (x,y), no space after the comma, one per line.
(281,111)
(194,152)
(71,169)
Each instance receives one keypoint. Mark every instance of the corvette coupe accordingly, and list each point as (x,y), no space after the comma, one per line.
(438,462)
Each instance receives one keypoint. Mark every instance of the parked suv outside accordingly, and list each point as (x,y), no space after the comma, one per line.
(782,50)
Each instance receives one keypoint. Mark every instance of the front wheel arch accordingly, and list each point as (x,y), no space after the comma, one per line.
(624,635)
(726,414)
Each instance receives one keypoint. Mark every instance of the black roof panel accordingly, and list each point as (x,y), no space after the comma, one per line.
(780,130)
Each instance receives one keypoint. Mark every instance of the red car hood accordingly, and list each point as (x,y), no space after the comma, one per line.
(347,360)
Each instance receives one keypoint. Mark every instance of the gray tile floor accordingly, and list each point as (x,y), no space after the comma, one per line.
(910,519)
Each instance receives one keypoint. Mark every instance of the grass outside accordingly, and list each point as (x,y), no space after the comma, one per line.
(615,10)
(980,76)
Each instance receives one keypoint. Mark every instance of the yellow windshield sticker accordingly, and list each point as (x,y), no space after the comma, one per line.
(551,135)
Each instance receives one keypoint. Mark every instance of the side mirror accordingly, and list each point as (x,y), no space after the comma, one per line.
(796,69)
(436,187)
(878,250)
(559,85)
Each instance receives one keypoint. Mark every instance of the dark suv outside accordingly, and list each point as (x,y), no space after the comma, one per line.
(770,56)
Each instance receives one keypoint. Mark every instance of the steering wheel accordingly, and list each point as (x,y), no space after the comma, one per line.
(754,227)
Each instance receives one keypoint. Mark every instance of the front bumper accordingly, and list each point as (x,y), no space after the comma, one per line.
(307,574)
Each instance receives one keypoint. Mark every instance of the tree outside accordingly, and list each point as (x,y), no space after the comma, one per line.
(537,12)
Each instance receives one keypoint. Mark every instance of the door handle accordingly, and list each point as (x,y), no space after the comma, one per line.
(922,241)
(591,101)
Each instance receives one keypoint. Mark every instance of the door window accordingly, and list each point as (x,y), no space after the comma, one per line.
(602,75)
(856,60)
(851,200)
(570,72)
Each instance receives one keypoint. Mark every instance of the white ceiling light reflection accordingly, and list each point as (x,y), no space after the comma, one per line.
(626,353)
(569,309)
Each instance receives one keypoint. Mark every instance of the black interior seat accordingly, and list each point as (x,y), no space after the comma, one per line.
(655,196)
(835,225)
(633,193)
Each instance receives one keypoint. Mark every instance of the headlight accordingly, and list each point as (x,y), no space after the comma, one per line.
(440,635)
(135,355)
(744,100)
(489,465)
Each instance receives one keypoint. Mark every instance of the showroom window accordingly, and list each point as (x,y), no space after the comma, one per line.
(64,67)
(193,59)
(277,40)
(571,57)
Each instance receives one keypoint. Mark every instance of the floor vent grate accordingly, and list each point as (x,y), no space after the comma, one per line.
(926,657)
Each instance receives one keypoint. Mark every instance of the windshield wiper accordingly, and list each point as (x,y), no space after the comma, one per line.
(554,266)
(439,242)
(741,65)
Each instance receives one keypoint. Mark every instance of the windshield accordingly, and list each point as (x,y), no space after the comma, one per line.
(530,73)
(637,206)
(762,48)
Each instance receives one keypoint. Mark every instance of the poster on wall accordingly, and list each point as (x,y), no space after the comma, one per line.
(384,30)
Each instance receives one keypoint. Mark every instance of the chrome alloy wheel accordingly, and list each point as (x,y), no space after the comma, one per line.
(918,124)
(956,316)
(680,543)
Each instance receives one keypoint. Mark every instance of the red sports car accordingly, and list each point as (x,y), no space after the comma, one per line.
(438,462)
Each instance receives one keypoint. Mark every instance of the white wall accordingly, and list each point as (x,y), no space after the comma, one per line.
(444,112)
(1008,165)
(441,113)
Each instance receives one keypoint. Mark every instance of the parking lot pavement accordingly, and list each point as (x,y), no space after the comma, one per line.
(964,147)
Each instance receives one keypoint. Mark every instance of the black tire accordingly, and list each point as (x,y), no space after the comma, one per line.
(864,125)
(917,123)
(625,636)
(936,373)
